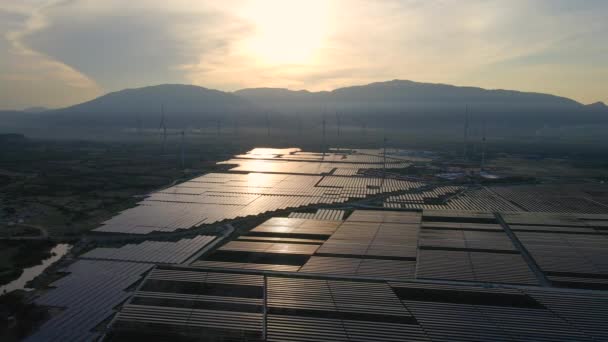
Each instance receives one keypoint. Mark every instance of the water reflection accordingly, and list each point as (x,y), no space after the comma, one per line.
(32,272)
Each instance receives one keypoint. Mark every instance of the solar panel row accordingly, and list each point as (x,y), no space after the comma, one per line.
(88,296)
(217,197)
(315,309)
(153,251)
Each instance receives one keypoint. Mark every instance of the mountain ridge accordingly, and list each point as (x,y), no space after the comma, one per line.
(393,88)
(395,103)
(411,91)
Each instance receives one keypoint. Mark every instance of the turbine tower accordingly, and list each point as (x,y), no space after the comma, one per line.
(299,124)
(139,129)
(267,124)
(235,127)
(483,147)
(338,122)
(324,143)
(384,158)
(338,130)
(163,126)
(466,132)
(181,149)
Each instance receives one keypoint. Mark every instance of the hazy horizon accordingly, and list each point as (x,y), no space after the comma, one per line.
(59,53)
(236,92)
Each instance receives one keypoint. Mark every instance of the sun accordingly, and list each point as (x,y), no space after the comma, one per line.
(286,31)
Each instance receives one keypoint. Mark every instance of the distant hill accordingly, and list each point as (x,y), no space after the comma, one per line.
(35,110)
(181,103)
(273,96)
(175,97)
(391,104)
(408,103)
(409,94)
(598,106)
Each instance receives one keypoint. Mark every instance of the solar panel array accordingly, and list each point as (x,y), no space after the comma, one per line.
(335,155)
(166,252)
(458,313)
(571,250)
(558,198)
(436,195)
(313,167)
(316,298)
(447,245)
(97,283)
(196,304)
(182,302)
(562,198)
(378,275)
(321,214)
(88,296)
(369,243)
(294,161)
(467,247)
(473,199)
(279,244)
(217,197)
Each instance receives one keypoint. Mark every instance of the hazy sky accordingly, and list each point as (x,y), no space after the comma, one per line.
(57,53)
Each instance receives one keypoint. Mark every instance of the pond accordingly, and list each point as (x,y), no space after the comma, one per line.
(32,272)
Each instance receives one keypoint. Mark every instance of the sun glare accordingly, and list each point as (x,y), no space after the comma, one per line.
(286,32)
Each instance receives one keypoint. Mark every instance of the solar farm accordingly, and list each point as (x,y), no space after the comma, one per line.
(302,246)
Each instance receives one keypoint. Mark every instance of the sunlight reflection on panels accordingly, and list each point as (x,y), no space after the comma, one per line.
(306,167)
(216,197)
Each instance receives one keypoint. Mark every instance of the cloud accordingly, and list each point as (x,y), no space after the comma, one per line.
(108,45)
(100,46)
(129,45)
(28,77)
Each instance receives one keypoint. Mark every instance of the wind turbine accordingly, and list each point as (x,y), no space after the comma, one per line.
(338,122)
(466,131)
(384,158)
(163,126)
(324,143)
(181,149)
(483,147)
(338,130)
(267,124)
(299,124)
(139,130)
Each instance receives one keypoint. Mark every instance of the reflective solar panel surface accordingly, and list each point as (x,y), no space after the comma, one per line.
(415,261)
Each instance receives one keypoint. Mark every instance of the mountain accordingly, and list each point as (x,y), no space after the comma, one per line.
(415,92)
(274,96)
(402,103)
(181,104)
(409,94)
(175,97)
(597,106)
(35,110)
(394,104)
